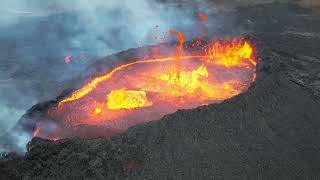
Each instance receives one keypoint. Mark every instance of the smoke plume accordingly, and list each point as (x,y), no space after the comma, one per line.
(43,44)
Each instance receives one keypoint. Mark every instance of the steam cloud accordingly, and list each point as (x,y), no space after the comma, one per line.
(36,35)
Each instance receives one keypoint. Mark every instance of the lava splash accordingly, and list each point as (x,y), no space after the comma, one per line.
(145,90)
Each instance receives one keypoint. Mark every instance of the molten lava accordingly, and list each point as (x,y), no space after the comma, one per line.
(124,99)
(202,17)
(145,90)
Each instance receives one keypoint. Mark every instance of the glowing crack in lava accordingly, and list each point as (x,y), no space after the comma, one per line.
(146,90)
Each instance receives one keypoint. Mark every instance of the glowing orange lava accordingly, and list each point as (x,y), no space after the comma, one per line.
(202,17)
(145,90)
(36,132)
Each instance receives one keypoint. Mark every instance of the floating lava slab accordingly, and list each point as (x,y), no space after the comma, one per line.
(145,90)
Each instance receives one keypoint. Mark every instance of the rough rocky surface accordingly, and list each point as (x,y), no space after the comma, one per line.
(271,131)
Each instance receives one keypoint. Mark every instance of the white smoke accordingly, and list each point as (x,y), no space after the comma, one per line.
(8,116)
(36,35)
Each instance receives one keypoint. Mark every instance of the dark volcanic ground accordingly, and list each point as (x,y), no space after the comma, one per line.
(272,131)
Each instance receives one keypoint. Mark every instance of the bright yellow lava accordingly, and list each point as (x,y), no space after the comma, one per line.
(127,99)
(192,84)
(187,82)
(98,111)
(230,54)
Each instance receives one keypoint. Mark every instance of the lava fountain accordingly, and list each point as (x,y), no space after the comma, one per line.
(145,90)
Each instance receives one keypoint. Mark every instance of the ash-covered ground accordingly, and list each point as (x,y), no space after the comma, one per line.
(269,132)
